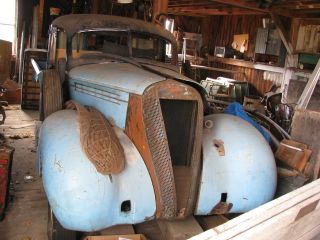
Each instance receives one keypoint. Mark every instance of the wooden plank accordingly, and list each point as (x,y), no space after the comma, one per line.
(296,212)
(293,153)
(308,91)
(305,125)
(285,226)
(312,234)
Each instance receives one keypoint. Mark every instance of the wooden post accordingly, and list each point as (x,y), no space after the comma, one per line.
(308,91)
(35,27)
(41,11)
(159,6)
(95,6)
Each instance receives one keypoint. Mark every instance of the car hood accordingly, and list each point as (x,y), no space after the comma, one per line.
(116,73)
(122,76)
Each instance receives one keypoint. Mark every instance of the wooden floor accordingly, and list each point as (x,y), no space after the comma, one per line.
(26,215)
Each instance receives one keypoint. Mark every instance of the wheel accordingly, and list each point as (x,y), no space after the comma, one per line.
(51,93)
(56,231)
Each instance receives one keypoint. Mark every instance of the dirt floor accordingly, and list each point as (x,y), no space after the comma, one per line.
(26,214)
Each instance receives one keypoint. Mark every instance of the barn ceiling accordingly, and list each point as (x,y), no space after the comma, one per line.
(289,8)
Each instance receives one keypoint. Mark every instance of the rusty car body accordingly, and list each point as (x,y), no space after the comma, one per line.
(118,67)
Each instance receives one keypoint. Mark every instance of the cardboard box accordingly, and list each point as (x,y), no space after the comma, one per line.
(117,237)
(294,154)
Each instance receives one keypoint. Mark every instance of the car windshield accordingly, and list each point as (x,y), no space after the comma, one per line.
(123,43)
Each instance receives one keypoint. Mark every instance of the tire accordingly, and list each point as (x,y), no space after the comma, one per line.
(55,231)
(51,93)
(3,113)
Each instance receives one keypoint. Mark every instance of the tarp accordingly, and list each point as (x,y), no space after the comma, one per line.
(236,109)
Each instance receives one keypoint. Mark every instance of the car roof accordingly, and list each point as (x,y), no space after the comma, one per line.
(74,23)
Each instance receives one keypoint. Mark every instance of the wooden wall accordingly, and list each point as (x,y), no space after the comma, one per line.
(219,31)
(305,35)
(222,29)
(5,59)
(188,24)
(253,76)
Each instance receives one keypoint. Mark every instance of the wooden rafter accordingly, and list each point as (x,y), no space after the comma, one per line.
(241,4)
(206,10)
(289,8)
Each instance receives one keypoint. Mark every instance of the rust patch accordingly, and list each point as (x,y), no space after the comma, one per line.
(219,145)
(135,129)
(145,127)
(182,213)
(159,148)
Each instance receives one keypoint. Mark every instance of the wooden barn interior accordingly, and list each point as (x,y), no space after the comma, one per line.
(263,55)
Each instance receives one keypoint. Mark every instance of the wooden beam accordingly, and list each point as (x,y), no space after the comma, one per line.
(189,14)
(305,13)
(159,7)
(187,4)
(297,5)
(41,11)
(212,11)
(308,91)
(283,33)
(241,4)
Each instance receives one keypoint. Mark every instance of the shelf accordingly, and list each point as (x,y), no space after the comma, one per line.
(246,64)
(306,71)
(216,69)
(311,53)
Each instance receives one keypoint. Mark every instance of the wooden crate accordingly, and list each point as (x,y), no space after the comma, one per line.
(293,216)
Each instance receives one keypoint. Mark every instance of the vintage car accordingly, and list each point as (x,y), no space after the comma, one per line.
(125,138)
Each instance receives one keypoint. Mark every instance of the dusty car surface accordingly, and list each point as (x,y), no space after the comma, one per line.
(130,145)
